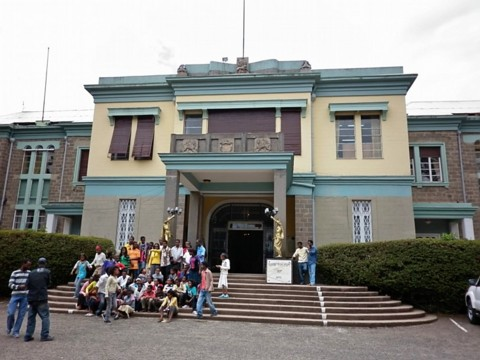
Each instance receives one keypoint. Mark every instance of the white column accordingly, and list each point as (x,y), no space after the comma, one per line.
(51,224)
(454,228)
(67,224)
(467,225)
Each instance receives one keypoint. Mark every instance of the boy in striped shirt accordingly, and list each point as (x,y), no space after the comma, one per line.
(17,283)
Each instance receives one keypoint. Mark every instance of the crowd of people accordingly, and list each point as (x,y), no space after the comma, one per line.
(148,277)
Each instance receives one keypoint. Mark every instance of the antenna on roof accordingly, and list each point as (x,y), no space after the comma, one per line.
(45,88)
(243,46)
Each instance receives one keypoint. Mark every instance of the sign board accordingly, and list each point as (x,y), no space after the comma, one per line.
(279,271)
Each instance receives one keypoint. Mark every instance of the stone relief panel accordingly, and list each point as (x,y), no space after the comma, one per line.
(226,145)
(263,144)
(190,145)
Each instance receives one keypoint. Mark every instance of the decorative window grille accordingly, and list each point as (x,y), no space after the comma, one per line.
(362,221)
(126,221)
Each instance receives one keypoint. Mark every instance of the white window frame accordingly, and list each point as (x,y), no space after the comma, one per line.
(362,221)
(126,221)
(423,172)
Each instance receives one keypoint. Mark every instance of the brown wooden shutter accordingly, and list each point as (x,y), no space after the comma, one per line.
(120,143)
(430,151)
(143,145)
(291,129)
(241,120)
(82,170)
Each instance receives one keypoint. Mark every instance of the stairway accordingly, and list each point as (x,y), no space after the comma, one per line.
(253,300)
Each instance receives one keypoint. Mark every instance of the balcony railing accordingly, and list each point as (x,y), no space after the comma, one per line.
(227,143)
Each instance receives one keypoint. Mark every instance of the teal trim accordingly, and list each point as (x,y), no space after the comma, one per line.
(130,92)
(359,107)
(186,162)
(418,170)
(443,210)
(250,104)
(76,169)
(78,129)
(434,123)
(244,84)
(371,186)
(365,85)
(39,132)
(230,187)
(471,124)
(140,111)
(33,144)
(64,208)
(124,186)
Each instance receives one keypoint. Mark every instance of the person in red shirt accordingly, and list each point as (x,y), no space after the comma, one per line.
(205,291)
(148,299)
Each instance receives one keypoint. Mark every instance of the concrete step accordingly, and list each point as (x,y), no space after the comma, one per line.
(253,300)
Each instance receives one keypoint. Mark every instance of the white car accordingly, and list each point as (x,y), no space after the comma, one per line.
(472,300)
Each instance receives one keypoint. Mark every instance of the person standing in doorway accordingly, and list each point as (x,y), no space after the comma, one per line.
(37,284)
(18,284)
(201,251)
(312,262)
(301,254)
(205,288)
(222,281)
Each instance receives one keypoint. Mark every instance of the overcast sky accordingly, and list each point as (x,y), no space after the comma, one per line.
(438,40)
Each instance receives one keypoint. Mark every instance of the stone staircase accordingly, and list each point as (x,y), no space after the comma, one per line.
(253,300)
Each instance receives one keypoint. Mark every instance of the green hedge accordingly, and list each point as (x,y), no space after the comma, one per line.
(429,274)
(61,251)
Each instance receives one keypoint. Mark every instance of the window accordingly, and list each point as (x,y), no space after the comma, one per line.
(428,164)
(120,144)
(143,145)
(82,163)
(362,221)
(291,129)
(345,133)
(193,124)
(126,221)
(27,157)
(371,137)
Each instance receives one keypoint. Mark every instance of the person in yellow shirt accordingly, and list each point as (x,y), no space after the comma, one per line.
(169,306)
(154,258)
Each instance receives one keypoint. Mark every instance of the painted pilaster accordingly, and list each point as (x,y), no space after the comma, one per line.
(51,223)
(454,228)
(468,232)
(280,202)
(171,199)
(278,119)
(67,225)
(193,216)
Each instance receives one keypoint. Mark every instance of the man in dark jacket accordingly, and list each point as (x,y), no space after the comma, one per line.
(37,284)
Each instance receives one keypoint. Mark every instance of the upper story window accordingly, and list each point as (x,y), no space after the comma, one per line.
(81,164)
(143,145)
(120,144)
(345,134)
(291,129)
(428,164)
(371,137)
(38,160)
(193,124)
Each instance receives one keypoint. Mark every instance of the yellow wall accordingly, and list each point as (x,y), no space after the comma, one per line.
(302,162)
(102,131)
(395,160)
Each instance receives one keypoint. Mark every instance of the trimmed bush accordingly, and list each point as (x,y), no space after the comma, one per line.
(429,274)
(61,252)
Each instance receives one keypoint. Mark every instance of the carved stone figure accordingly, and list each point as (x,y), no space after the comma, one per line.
(190,145)
(182,70)
(278,238)
(242,65)
(226,145)
(306,66)
(263,144)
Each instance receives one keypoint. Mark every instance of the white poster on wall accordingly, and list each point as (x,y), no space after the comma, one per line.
(279,271)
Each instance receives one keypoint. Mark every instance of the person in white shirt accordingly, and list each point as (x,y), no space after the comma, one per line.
(98,261)
(123,279)
(222,281)
(177,254)
(102,281)
(301,254)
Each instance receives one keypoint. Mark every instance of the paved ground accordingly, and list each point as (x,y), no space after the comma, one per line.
(79,337)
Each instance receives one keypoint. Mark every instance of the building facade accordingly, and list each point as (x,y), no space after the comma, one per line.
(333,151)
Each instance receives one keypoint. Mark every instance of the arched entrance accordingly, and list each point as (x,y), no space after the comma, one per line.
(245,233)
